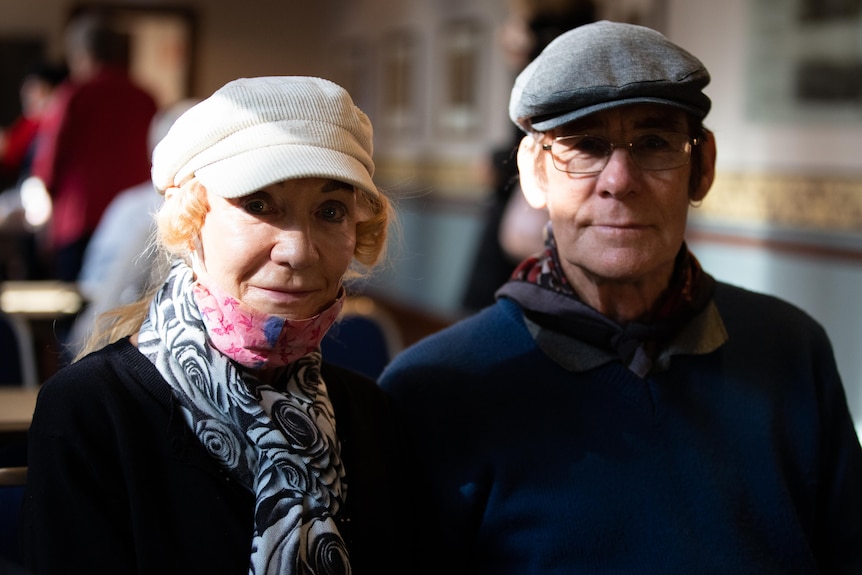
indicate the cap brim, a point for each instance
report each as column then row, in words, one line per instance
column 249, row 171
column 545, row 124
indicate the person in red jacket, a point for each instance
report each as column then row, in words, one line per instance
column 17, row 139
column 92, row 142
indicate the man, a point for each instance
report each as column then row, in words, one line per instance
column 92, row 143
column 617, row 410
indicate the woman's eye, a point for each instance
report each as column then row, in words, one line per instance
column 333, row 212
column 256, row 206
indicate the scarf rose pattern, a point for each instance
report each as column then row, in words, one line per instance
column 279, row 443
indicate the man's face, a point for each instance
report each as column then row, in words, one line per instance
column 624, row 224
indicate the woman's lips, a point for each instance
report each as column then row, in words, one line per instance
column 283, row 295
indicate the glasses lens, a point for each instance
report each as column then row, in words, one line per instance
column 661, row 151
column 580, row 154
column 586, row 154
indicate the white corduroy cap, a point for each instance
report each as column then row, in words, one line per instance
column 254, row 132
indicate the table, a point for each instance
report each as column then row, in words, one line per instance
column 40, row 299
column 16, row 408
column 41, row 313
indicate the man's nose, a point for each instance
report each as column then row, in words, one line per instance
column 617, row 179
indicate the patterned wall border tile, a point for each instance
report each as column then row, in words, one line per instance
column 832, row 204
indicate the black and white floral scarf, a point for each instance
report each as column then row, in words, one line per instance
column 278, row 440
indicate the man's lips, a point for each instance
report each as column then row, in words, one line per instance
column 620, row 225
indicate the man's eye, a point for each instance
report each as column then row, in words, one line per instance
column 591, row 145
column 652, row 142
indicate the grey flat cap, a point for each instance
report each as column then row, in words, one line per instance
column 605, row 65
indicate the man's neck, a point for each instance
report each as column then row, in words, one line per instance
column 621, row 300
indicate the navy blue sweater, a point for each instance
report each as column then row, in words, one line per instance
column 743, row 460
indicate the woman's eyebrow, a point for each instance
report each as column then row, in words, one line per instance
column 336, row 185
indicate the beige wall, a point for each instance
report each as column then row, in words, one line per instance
column 721, row 34
column 234, row 37
column 237, row 38
column 262, row 37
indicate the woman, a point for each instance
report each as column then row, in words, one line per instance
column 202, row 433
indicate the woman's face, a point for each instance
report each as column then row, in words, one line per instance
column 283, row 249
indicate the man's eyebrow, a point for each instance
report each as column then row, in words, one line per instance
column 671, row 124
column 578, row 127
column 667, row 123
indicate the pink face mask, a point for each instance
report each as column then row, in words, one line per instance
column 256, row 339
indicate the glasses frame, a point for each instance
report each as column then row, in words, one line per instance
column 692, row 142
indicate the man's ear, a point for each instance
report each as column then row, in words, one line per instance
column 532, row 185
column 708, row 153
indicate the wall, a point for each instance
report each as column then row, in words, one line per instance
column 255, row 37
column 262, row 37
column 720, row 33
column 824, row 285
column 784, row 215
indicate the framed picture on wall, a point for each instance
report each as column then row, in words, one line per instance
column 399, row 100
column 805, row 61
column 355, row 72
column 460, row 64
column 788, row 89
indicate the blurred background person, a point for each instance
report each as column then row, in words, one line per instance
column 512, row 229
column 16, row 140
column 119, row 265
column 92, row 142
column 17, row 145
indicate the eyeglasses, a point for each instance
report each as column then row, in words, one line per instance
column 588, row 154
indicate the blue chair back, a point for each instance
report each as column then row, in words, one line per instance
column 364, row 338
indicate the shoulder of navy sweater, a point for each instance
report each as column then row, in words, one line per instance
column 493, row 333
column 745, row 311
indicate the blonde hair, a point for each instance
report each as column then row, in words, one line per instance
column 178, row 224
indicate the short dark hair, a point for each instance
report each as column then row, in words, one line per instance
column 698, row 132
column 91, row 31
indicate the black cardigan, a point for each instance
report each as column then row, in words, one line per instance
column 118, row 484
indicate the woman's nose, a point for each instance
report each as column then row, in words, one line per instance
column 295, row 247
